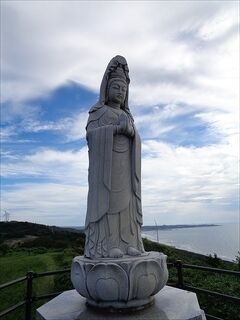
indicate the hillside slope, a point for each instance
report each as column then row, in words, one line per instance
column 26, row 234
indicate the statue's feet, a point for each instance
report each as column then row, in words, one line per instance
column 133, row 252
column 115, row 253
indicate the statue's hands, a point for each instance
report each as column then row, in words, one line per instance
column 131, row 129
column 122, row 126
column 125, row 127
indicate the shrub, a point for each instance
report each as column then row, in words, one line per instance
column 4, row 249
column 214, row 261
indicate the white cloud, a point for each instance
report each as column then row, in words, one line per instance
column 7, row 133
column 76, row 130
column 63, row 166
column 178, row 52
column 58, row 197
column 218, row 26
column 154, row 122
column 72, row 128
column 179, row 184
column 48, row 203
column 189, row 184
column 52, row 42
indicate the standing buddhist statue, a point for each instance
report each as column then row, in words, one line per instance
column 114, row 211
column 115, row 271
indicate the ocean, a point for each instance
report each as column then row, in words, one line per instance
column 223, row 239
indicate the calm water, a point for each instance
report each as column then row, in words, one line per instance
column 224, row 240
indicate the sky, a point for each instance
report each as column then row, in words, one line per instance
column 184, row 96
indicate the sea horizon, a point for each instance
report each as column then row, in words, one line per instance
column 225, row 237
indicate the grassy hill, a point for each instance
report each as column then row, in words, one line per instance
column 31, row 235
column 42, row 248
column 15, row 229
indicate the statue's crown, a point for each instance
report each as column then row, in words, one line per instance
column 118, row 73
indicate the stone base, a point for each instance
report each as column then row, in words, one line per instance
column 122, row 307
column 169, row 304
column 120, row 283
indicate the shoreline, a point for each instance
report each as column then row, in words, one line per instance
column 177, row 226
column 225, row 259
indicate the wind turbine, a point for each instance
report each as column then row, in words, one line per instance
column 157, row 230
column 6, row 215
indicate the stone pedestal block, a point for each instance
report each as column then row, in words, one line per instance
column 127, row 282
column 169, row 304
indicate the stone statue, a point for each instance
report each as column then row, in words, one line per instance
column 114, row 212
column 115, row 272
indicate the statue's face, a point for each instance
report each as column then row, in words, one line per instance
column 117, row 91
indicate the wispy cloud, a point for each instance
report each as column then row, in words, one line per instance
column 182, row 124
column 71, row 128
column 48, row 203
column 189, row 183
column 163, row 67
column 184, row 93
column 63, row 166
column 176, row 188
column 63, row 113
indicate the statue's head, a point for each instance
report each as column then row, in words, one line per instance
column 116, row 91
column 115, row 84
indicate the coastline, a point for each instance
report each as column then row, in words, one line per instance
column 208, row 240
column 185, row 251
column 177, row 226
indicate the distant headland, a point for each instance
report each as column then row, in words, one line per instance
column 177, row 226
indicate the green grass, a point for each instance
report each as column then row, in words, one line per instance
column 16, row 262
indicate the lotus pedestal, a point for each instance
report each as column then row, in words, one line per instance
column 124, row 283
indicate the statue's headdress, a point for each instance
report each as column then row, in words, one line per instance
column 116, row 69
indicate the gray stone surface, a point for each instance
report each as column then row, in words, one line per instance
column 170, row 304
column 127, row 282
column 114, row 209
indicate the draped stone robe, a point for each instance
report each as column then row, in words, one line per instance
column 114, row 212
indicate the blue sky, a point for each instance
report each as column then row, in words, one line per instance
column 184, row 70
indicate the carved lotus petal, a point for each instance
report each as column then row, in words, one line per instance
column 107, row 282
column 147, row 278
column 122, row 282
column 78, row 278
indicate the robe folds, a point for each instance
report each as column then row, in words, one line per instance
column 114, row 211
